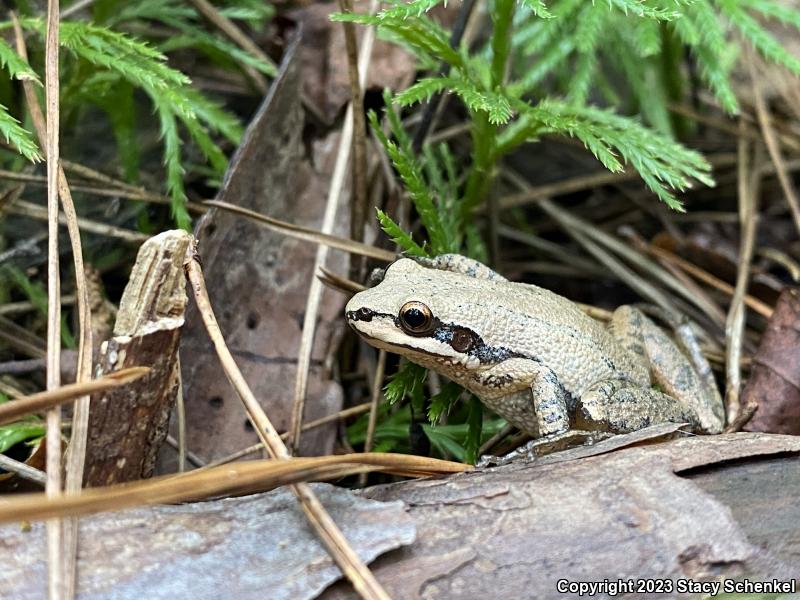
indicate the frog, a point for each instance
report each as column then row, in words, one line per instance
column 536, row 358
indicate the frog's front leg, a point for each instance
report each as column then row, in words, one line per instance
column 692, row 385
column 540, row 409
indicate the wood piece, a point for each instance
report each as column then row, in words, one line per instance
column 688, row 508
column 253, row 547
column 514, row 531
column 127, row 426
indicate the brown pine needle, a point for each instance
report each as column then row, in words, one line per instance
column 338, row 282
column 10, row 411
column 307, row 234
column 245, row 477
column 326, row 529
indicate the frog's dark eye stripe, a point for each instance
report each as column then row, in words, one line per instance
column 416, row 318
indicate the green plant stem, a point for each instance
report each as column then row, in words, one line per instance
column 671, row 74
column 484, row 132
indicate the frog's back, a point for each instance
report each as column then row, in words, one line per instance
column 552, row 330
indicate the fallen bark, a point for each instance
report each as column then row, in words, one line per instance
column 697, row 508
column 685, row 509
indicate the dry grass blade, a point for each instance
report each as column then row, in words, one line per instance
column 587, row 235
column 10, row 411
column 377, row 386
column 773, row 147
column 307, row 234
column 342, row 414
column 338, row 282
column 22, row 470
column 315, row 289
column 76, row 451
column 56, row 582
column 734, row 326
column 28, row 209
column 246, row 477
column 706, row 277
column 331, row 536
column 358, row 201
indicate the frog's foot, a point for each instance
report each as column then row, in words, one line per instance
column 546, row 445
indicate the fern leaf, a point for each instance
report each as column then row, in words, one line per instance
column 643, row 8
column 398, row 236
column 663, row 164
column 16, row 66
column 421, row 90
column 172, row 162
column 213, row 115
column 18, row 136
column 537, row 7
column 763, row 41
column 441, row 403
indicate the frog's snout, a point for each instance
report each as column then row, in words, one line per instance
column 361, row 314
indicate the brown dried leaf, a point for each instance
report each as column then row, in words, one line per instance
column 774, row 382
column 324, row 60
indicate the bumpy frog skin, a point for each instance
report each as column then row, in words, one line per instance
column 532, row 356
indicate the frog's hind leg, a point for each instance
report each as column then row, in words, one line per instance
column 682, row 375
column 620, row 406
column 455, row 263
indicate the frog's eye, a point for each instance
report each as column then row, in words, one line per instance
column 416, row 318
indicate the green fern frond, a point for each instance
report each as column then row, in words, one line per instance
column 173, row 163
column 408, row 381
column 214, row 116
column 581, row 82
column 415, row 184
column 663, row 164
column 405, row 10
column 544, row 65
column 16, row 66
column 494, row 104
column 763, row 41
column 441, row 403
column 18, row 136
column 398, row 236
column 649, row 9
column 646, row 35
column 537, row 7
column 422, row 35
column 421, row 90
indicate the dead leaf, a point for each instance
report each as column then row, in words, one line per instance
column 774, row 382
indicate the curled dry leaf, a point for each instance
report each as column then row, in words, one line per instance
column 774, row 383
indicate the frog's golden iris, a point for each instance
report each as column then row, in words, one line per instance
column 416, row 318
